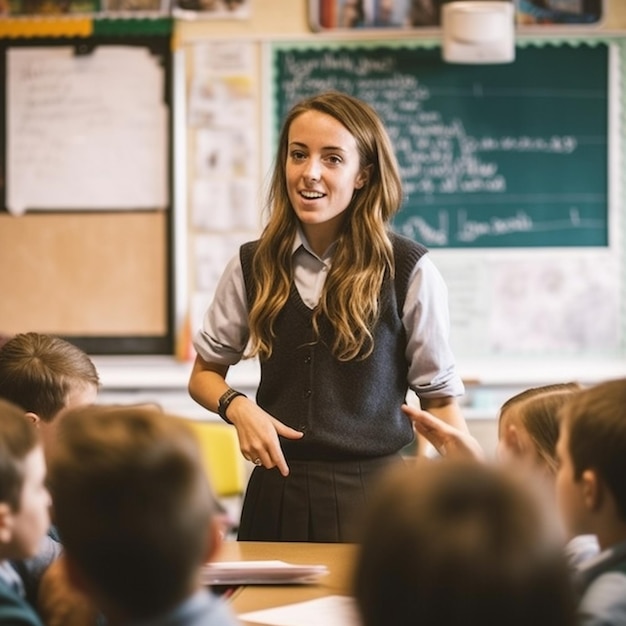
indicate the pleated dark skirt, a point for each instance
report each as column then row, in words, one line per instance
column 320, row 501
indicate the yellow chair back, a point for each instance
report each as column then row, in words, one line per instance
column 222, row 457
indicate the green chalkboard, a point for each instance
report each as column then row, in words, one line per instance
column 513, row 155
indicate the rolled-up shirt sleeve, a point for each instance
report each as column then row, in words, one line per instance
column 426, row 318
column 224, row 333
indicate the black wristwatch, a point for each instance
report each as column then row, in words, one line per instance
column 225, row 400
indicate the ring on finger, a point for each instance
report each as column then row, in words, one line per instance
column 257, row 461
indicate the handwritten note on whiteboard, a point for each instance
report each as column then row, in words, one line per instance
column 86, row 132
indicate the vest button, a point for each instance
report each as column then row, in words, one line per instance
column 307, row 360
column 307, row 394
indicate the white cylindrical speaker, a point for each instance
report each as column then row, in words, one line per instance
column 478, row 31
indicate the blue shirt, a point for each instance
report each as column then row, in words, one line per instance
column 14, row 610
column 203, row 608
column 602, row 583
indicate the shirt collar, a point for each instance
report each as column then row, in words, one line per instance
column 300, row 242
column 11, row 578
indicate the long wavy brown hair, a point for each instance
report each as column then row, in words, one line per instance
column 364, row 254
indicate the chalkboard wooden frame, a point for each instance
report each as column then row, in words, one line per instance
column 149, row 343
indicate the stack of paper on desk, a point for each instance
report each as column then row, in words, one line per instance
column 260, row 573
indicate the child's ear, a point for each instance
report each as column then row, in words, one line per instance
column 6, row 523
column 512, row 440
column 592, row 490
column 33, row 418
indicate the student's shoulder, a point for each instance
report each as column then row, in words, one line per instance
column 604, row 600
column 221, row 614
column 204, row 608
column 14, row 610
column 580, row 549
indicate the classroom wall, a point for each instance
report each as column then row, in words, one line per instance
column 273, row 21
column 82, row 241
column 276, row 20
column 270, row 20
column 488, row 386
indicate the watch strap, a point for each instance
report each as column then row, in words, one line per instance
column 224, row 402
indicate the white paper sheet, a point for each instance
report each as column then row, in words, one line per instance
column 329, row 611
column 86, row 132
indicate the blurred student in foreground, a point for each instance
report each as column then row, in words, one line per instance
column 460, row 544
column 591, row 494
column 137, row 516
column 24, row 503
column 44, row 375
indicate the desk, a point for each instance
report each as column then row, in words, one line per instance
column 338, row 557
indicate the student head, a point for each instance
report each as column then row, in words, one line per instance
column 46, row 375
column 528, row 426
column 24, row 499
column 456, row 544
column 591, row 450
column 133, row 507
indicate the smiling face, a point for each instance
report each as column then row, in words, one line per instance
column 323, row 170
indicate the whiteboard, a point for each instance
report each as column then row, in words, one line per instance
column 86, row 131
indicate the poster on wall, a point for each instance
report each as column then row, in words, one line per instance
column 77, row 149
column 211, row 9
column 403, row 14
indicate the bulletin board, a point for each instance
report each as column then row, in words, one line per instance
column 512, row 177
column 86, row 231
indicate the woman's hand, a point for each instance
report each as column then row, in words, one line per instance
column 258, row 434
column 447, row 440
column 257, row 430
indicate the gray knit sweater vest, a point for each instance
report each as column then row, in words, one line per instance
column 346, row 409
